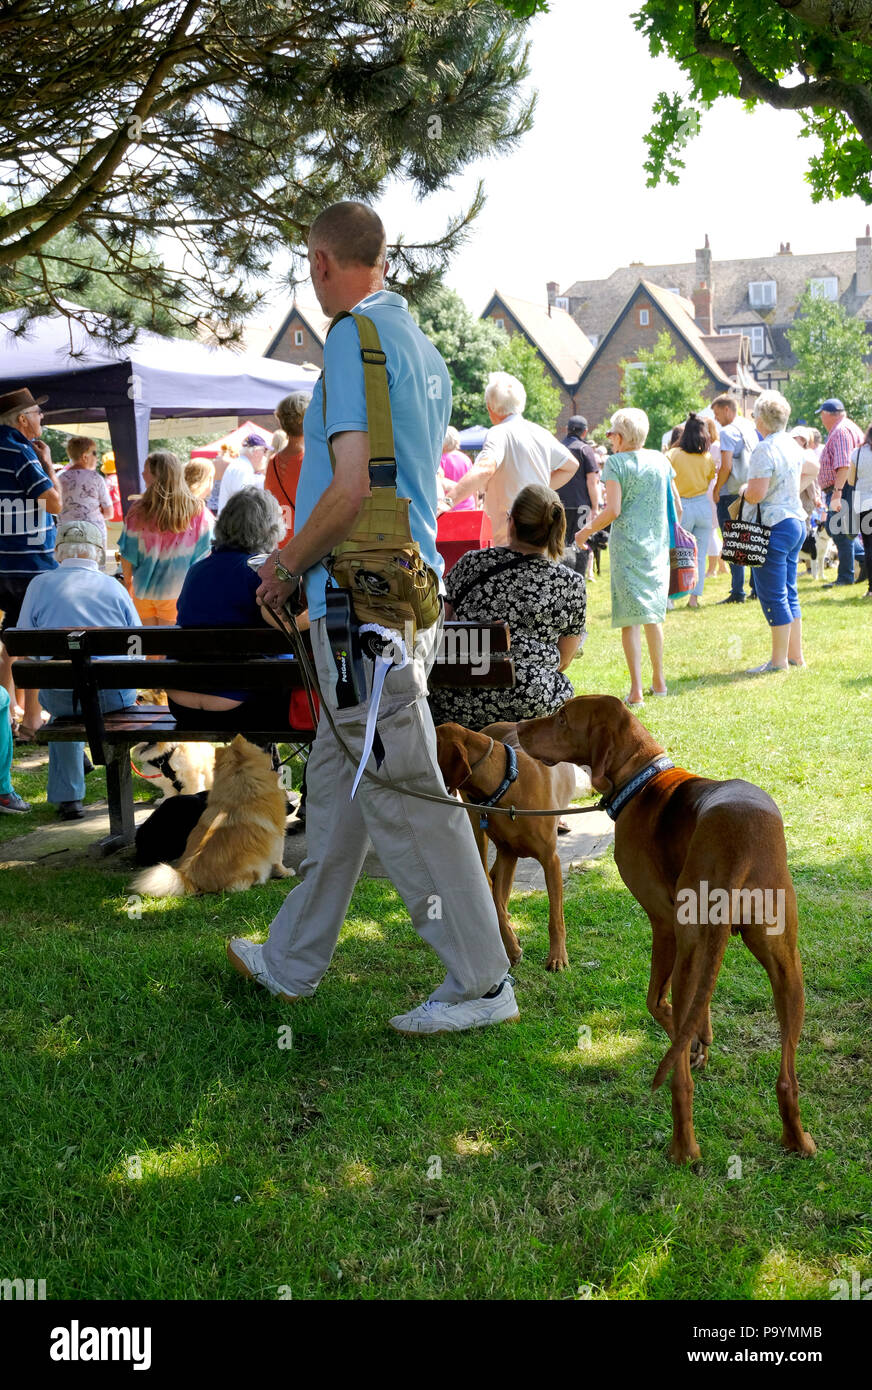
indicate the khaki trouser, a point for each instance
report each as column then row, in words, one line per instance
column 428, row 851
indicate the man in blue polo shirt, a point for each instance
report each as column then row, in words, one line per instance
column 428, row 851
column 29, row 501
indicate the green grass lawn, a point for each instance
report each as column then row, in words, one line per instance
column 311, row 1170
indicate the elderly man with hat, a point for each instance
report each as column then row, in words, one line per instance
column 76, row 594
column 580, row 495
column 249, row 470
column 843, row 437
column 30, row 498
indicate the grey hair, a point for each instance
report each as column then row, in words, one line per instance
column 11, row 417
column 632, row 425
column 250, row 520
column 78, row 550
column 504, row 394
column 773, row 410
column 451, row 440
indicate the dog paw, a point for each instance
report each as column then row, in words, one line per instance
column 684, row 1152
column 557, row 960
column 803, row 1144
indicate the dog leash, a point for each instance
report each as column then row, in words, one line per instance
column 288, row 624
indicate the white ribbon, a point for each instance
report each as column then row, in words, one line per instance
column 381, row 665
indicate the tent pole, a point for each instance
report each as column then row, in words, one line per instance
column 128, row 430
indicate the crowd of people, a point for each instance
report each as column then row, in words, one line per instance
column 219, row 543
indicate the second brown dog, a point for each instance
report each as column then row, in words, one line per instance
column 474, row 764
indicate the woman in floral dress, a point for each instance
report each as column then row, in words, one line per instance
column 636, row 481
column 542, row 601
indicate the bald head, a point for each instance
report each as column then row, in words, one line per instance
column 352, row 233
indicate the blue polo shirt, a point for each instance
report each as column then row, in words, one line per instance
column 420, row 390
column 27, row 532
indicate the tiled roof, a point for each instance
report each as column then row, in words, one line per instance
column 556, row 334
column 595, row 303
column 676, row 308
column 316, row 321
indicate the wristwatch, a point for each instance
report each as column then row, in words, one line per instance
column 284, row 575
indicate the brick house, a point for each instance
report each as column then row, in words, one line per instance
column 300, row 337
column 648, row 311
column 756, row 297
column 562, row 346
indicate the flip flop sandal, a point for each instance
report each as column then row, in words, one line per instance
column 764, row 669
column 658, row 694
column 633, row 704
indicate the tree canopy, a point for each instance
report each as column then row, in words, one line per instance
column 829, row 346
column 222, row 127
column 809, row 56
column 469, row 346
column 664, row 387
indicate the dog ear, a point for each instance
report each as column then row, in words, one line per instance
column 452, row 757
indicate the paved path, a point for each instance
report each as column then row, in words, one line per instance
column 66, row 842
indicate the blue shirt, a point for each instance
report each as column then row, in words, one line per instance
column 420, row 389
column 27, row 531
column 219, row 591
column 739, row 439
column 76, row 595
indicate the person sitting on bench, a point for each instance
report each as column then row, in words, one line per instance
column 219, row 591
column 76, row 594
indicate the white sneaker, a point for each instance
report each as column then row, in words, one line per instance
column 246, row 957
column 436, row 1017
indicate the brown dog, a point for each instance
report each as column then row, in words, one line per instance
column 475, row 764
column 702, row 857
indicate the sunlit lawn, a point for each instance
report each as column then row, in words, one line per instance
column 129, row 1047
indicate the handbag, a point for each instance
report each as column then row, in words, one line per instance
column 745, row 542
column 379, row 563
column 683, row 569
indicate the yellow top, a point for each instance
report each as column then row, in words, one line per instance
column 693, row 472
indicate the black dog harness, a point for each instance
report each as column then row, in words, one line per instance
column 613, row 805
column 510, row 777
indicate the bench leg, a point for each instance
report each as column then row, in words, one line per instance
column 119, row 788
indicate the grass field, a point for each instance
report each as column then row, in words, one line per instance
column 312, row 1170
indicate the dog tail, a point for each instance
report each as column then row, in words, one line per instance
column 161, row 881
column 704, row 967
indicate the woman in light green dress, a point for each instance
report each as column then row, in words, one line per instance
column 636, row 481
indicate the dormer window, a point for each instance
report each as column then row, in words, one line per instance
column 824, row 287
column 762, row 294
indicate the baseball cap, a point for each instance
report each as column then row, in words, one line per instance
column 253, row 441
column 81, row 533
column 833, row 406
column 576, row 424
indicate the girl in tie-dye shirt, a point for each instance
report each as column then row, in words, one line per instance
column 165, row 531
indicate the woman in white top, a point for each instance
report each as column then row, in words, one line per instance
column 776, row 479
column 861, row 460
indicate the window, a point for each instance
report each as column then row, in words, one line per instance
column 562, row 302
column 762, row 294
column 824, row 287
column 722, row 331
column 500, row 323
column 758, row 341
column 644, row 318
column 298, row 337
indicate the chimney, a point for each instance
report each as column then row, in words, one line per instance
column 552, row 287
column 704, row 265
column 703, row 309
column 864, row 264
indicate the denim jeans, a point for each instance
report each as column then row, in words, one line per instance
column 66, row 776
column 696, row 517
column 776, row 577
column 839, row 528
column 737, row 584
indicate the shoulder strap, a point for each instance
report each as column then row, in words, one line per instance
column 382, row 460
column 471, row 584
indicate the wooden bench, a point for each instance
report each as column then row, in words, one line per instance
column 470, row 655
